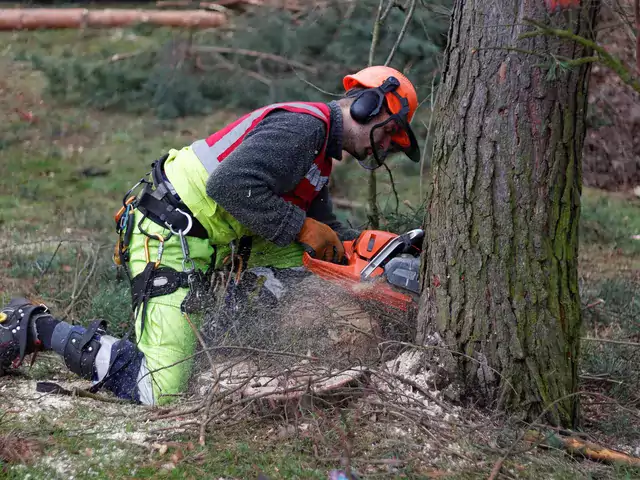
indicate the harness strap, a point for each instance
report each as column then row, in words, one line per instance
column 160, row 281
column 26, row 313
column 160, row 204
column 163, row 213
column 81, row 350
column 244, row 249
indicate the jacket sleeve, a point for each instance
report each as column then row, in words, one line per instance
column 269, row 162
column 321, row 209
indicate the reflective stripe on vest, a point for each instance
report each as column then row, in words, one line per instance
column 209, row 155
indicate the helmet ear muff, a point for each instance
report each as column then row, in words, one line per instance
column 368, row 102
column 365, row 106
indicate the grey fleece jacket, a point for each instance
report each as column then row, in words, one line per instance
column 270, row 161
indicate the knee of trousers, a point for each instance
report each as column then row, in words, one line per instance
column 118, row 364
column 168, row 343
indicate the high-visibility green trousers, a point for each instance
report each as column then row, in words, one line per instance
column 168, row 341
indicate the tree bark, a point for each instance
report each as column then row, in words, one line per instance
column 499, row 270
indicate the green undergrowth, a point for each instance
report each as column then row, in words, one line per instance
column 610, row 220
column 298, row 55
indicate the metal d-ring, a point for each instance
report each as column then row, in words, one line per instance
column 186, row 230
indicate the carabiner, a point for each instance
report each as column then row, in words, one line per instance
column 186, row 230
column 147, row 257
column 185, row 254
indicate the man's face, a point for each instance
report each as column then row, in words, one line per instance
column 362, row 147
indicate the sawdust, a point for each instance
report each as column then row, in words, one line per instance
column 28, row 403
column 411, row 365
column 116, row 427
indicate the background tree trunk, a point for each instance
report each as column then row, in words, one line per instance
column 500, row 282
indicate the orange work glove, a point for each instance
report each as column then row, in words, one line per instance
column 320, row 241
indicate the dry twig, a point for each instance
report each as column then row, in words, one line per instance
column 616, row 342
column 74, row 295
column 254, row 53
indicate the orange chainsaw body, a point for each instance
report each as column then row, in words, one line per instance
column 358, row 253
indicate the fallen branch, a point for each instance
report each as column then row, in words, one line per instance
column 344, row 203
column 53, row 388
column 74, row 295
column 587, row 449
column 254, row 53
column 227, row 65
column 601, row 379
column 35, row 18
column 616, row 342
column 594, row 304
column 495, row 471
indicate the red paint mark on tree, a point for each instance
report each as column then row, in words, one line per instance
column 559, row 5
column 436, row 281
column 502, row 72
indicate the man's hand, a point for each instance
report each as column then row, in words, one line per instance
column 320, row 241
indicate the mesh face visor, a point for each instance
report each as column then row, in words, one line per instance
column 402, row 138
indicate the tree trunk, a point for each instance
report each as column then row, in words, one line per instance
column 499, row 279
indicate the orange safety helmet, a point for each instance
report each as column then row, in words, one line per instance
column 372, row 77
column 400, row 97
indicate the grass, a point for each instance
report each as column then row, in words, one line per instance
column 85, row 453
column 611, row 220
column 63, row 174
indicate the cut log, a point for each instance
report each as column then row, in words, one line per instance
column 52, row 18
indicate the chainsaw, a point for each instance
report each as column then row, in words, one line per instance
column 379, row 266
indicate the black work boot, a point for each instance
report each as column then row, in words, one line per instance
column 18, row 333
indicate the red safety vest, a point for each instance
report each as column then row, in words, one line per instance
column 214, row 149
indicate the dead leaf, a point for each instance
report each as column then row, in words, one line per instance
column 177, row 456
column 18, row 450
